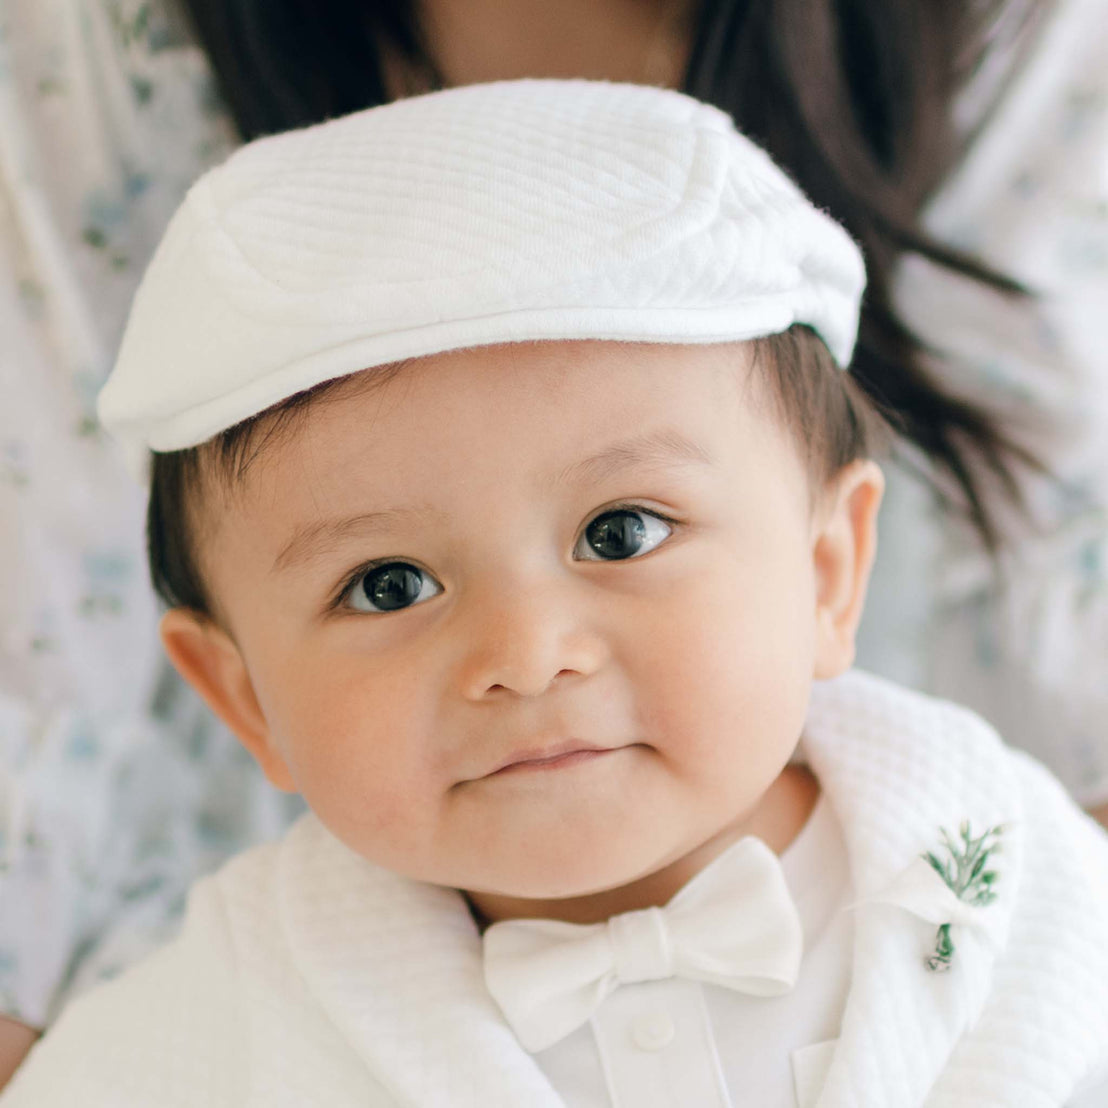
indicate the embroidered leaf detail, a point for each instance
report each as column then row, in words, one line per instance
column 944, row 951
column 964, row 873
column 939, row 867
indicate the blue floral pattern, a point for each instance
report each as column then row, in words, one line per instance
column 116, row 788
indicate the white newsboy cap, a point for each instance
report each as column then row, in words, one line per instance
column 521, row 210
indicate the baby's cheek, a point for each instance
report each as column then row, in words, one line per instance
column 729, row 672
column 361, row 762
column 373, row 811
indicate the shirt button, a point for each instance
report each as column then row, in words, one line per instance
column 652, row 1031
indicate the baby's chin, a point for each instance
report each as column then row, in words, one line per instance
column 549, row 867
column 574, row 887
column 595, row 881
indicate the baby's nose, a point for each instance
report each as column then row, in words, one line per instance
column 525, row 638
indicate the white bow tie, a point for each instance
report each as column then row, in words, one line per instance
column 734, row 924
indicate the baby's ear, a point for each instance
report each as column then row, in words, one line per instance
column 211, row 662
column 845, row 542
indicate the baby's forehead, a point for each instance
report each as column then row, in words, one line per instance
column 519, row 392
column 553, row 374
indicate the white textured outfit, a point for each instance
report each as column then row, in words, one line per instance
column 306, row 976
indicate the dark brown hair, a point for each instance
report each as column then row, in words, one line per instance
column 830, row 418
column 852, row 97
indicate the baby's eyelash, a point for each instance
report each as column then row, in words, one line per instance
column 602, row 539
column 352, row 579
column 631, row 506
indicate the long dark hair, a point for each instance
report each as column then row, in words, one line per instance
column 853, row 97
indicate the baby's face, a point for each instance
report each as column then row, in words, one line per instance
column 533, row 620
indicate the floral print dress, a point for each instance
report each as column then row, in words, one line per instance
column 116, row 788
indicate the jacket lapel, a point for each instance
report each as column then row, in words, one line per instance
column 396, row 965
column 898, row 768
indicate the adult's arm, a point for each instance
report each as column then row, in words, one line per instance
column 16, row 1039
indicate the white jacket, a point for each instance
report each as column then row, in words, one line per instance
column 306, row 976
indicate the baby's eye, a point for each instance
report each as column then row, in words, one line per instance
column 390, row 587
column 621, row 533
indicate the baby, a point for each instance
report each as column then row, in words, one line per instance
column 512, row 506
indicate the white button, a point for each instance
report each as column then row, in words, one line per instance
column 652, row 1031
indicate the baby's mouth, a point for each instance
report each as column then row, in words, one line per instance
column 553, row 756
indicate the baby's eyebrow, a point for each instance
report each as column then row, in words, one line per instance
column 663, row 447
column 310, row 540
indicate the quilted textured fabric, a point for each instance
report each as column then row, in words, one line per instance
column 306, row 976
column 523, row 210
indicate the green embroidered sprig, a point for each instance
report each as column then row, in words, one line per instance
column 965, row 875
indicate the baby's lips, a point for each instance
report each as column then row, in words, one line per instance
column 547, row 754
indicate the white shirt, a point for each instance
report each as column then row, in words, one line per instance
column 670, row 1043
